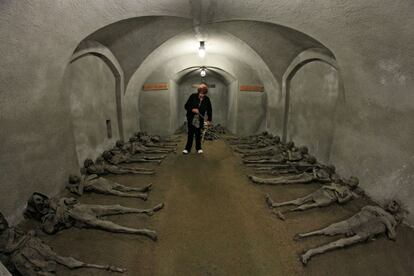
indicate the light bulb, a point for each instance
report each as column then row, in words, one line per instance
column 203, row 73
column 202, row 50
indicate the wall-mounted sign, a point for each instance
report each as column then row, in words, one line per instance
column 210, row 85
column 155, row 86
column 253, row 88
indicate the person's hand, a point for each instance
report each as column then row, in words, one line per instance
column 208, row 124
column 195, row 110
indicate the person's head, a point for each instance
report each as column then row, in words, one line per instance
column 353, row 182
column 202, row 90
column 330, row 169
column 87, row 163
column 107, row 155
column 4, row 225
column 311, row 159
column 39, row 200
column 119, row 144
column 393, row 206
column 74, row 179
column 37, row 206
column 276, row 139
column 303, row 150
column 290, row 145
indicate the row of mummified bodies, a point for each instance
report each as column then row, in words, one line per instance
column 110, row 162
column 289, row 164
column 25, row 254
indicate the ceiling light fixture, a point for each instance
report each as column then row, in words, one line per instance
column 202, row 50
column 203, row 72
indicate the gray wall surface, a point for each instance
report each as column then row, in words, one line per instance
column 174, row 105
column 90, row 85
column 373, row 137
column 314, row 93
column 155, row 111
column 233, row 92
column 157, row 108
column 130, row 114
column 251, row 112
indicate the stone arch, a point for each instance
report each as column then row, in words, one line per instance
column 305, row 57
column 99, row 50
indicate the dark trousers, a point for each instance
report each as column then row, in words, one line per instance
column 192, row 130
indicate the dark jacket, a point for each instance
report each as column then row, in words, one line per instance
column 205, row 107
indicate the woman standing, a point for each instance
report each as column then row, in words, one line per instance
column 197, row 105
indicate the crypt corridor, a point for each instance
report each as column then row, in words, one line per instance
column 335, row 76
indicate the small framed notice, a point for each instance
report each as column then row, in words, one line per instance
column 155, row 86
column 252, row 88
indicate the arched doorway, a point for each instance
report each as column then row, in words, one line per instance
column 312, row 87
column 94, row 87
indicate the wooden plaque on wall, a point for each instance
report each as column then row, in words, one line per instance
column 155, row 86
column 252, row 88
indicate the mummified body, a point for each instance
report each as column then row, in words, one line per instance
column 363, row 226
column 135, row 147
column 306, row 165
column 322, row 175
column 267, row 151
column 119, row 158
column 259, row 143
column 324, row 196
column 248, row 139
column 27, row 255
column 94, row 183
column 102, row 168
column 56, row 215
column 278, row 156
column 168, row 140
column 154, row 141
column 121, row 154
